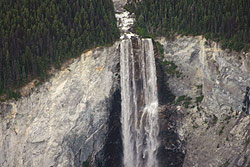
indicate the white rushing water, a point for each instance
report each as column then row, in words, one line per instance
column 139, row 104
column 139, row 95
column 125, row 21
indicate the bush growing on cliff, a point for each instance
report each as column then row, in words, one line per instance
column 85, row 164
column 199, row 99
column 184, row 100
column 180, row 99
column 214, row 120
column 221, row 130
column 171, row 69
column 247, row 141
column 160, row 48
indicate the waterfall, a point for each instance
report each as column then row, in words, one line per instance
column 139, row 115
column 139, row 103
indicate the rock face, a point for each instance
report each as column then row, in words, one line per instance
column 212, row 125
column 171, row 151
column 65, row 121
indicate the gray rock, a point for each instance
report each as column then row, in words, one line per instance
column 64, row 121
column 216, row 132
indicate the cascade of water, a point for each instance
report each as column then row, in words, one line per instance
column 139, row 94
column 139, row 104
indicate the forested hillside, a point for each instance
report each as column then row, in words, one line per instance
column 37, row 34
column 227, row 21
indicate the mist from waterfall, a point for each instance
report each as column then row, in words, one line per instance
column 139, row 103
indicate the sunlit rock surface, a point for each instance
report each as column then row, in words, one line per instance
column 64, row 122
column 216, row 131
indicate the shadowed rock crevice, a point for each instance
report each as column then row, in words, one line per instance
column 171, row 152
column 246, row 102
column 111, row 155
column 172, row 149
column 164, row 93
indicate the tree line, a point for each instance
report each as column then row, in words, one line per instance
column 35, row 35
column 225, row 21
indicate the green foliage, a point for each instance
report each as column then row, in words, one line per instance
column 247, row 141
column 227, row 21
column 199, row 86
column 228, row 117
column 199, row 99
column 171, row 69
column 35, row 35
column 180, row 99
column 130, row 7
column 221, row 130
column 85, row 164
column 188, row 98
column 160, row 48
column 13, row 94
column 214, row 120
column 184, row 100
column 167, row 84
column 143, row 32
column 226, row 164
column 186, row 104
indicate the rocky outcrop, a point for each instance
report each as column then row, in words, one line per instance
column 210, row 91
column 171, row 151
column 111, row 155
column 65, row 121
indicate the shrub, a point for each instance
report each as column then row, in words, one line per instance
column 214, row 120
column 199, row 99
column 221, row 130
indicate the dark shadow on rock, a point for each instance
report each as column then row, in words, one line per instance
column 171, row 152
column 165, row 95
column 246, row 102
column 112, row 153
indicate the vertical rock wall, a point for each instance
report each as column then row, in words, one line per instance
column 213, row 126
column 64, row 122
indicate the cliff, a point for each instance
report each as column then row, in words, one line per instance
column 210, row 88
column 65, row 121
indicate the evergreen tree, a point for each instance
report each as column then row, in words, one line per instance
column 227, row 21
column 35, row 35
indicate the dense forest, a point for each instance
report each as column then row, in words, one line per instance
column 227, row 21
column 35, row 35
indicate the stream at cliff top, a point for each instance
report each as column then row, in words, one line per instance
column 139, row 116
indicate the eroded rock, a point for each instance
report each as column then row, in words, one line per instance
column 214, row 128
column 64, row 122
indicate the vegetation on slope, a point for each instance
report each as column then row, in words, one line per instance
column 34, row 35
column 227, row 21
